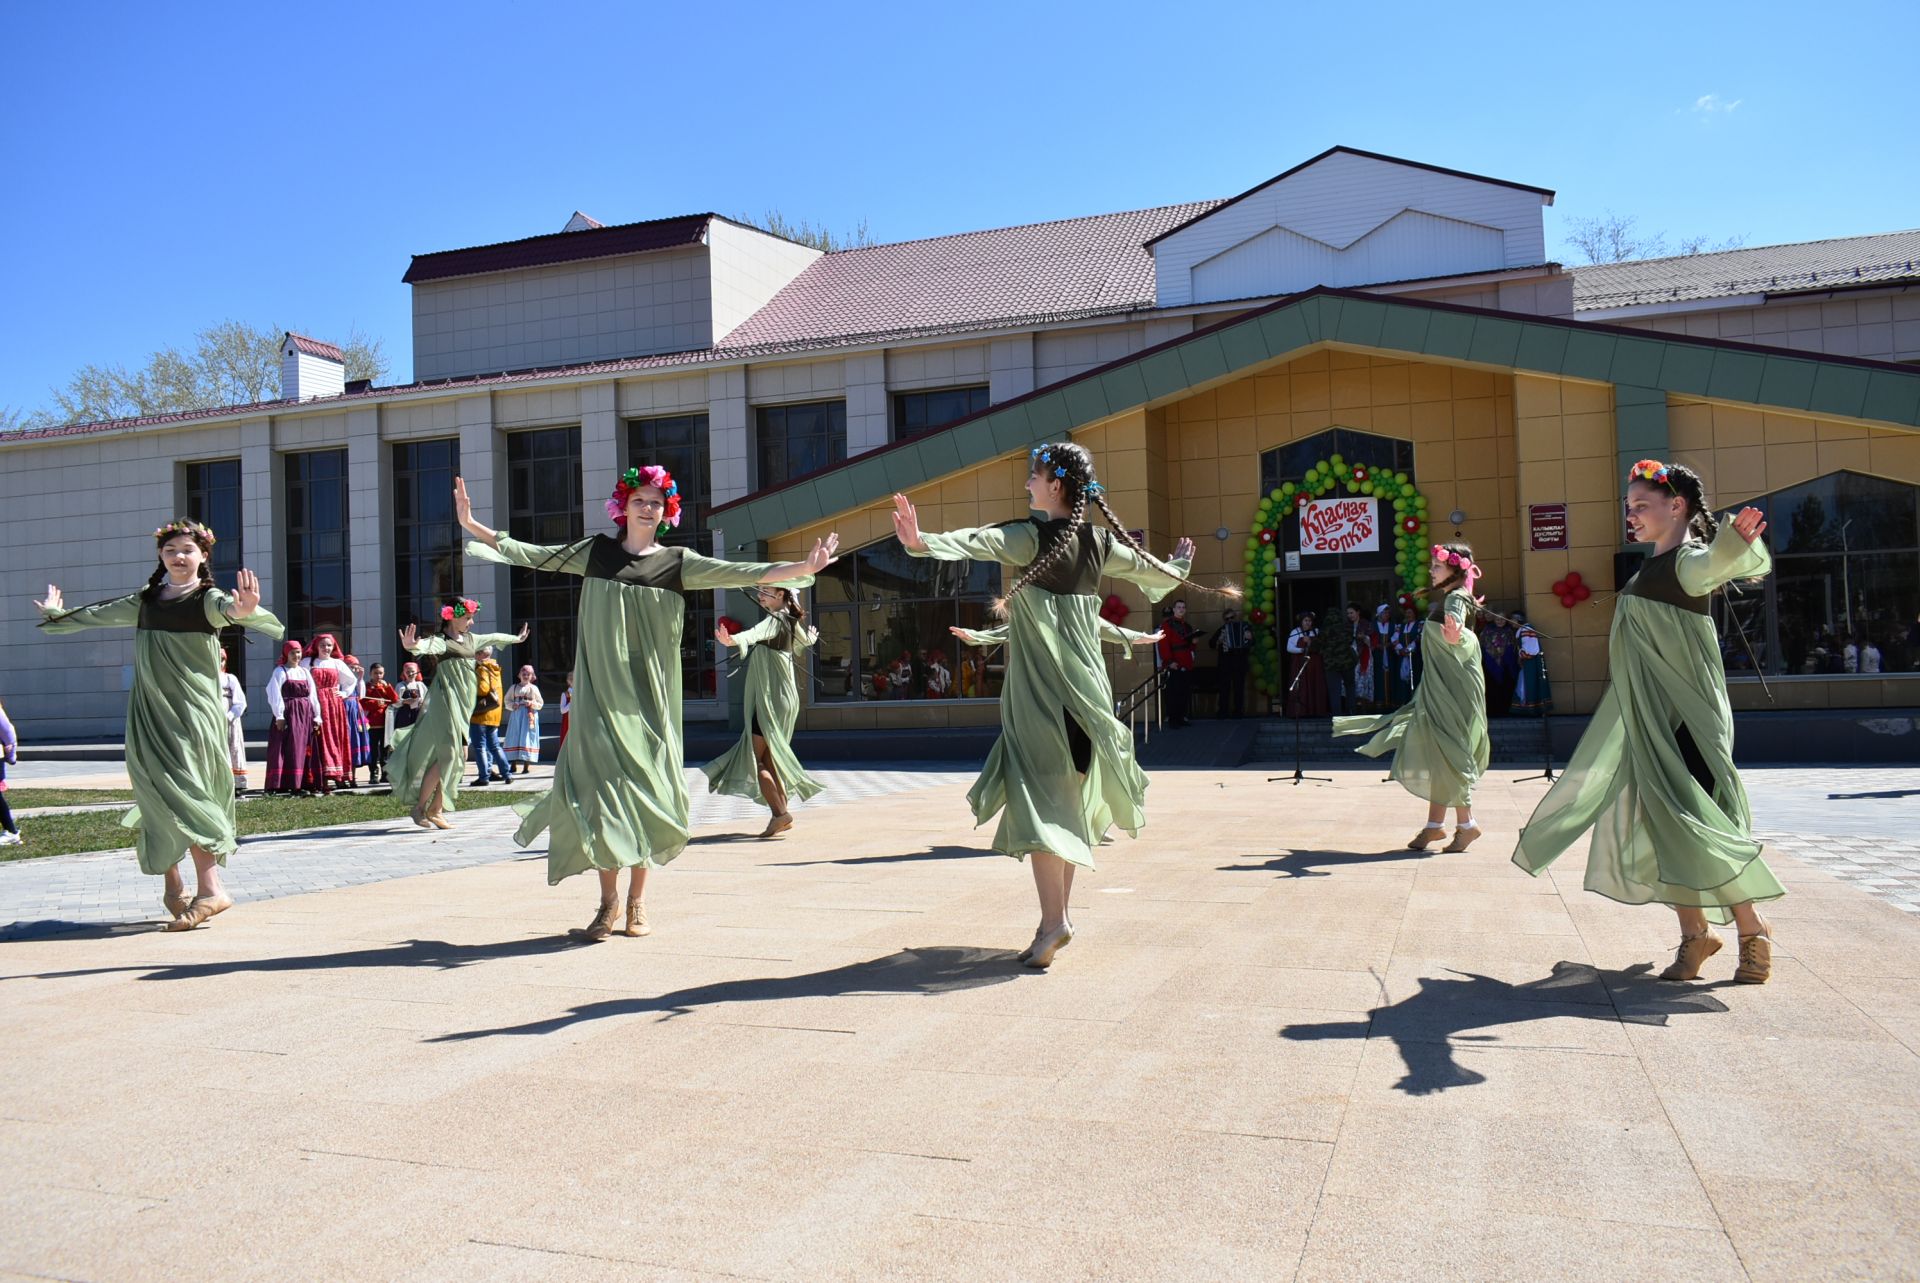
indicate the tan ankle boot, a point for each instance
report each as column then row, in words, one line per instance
column 637, row 919
column 1756, row 957
column 1463, row 837
column 1427, row 836
column 602, row 925
column 1691, row 956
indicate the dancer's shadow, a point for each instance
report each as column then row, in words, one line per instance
column 939, row 969
column 1425, row 1026
column 931, row 853
column 48, row 928
column 433, row 954
column 1313, row 864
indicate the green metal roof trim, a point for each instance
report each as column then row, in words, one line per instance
column 1802, row 383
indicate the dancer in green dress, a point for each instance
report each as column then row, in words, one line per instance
column 1653, row 775
column 425, row 765
column 761, row 766
column 1439, row 738
column 619, row 797
column 177, row 740
column 1063, row 765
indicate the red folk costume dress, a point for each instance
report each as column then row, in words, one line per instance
column 332, row 681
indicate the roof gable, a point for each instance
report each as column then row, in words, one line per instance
column 1345, row 218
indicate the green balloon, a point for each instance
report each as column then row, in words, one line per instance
column 1401, row 477
column 1287, row 488
column 1274, row 495
column 1338, row 461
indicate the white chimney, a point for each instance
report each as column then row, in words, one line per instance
column 310, row 368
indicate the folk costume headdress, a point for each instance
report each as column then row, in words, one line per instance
column 634, row 478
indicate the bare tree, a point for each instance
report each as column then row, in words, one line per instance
column 1616, row 238
column 232, row 363
column 806, row 233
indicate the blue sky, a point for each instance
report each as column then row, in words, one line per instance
column 168, row 168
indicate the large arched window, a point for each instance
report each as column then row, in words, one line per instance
column 1844, row 596
column 884, row 619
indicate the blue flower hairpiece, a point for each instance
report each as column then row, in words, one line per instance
column 1059, row 472
column 1034, row 453
column 1094, row 487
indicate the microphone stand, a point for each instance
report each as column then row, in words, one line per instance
column 1298, row 774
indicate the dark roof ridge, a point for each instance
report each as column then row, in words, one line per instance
column 1368, row 155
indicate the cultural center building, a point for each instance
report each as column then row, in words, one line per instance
column 1389, row 332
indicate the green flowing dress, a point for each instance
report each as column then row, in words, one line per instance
column 440, row 736
column 1056, row 704
column 619, row 794
column 177, row 745
column 772, row 706
column 1653, row 775
column 1439, row 738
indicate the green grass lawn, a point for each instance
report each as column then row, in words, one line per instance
column 25, row 799
column 101, row 831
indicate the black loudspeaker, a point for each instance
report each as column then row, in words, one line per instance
column 1625, row 564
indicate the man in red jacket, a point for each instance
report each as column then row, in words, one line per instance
column 1176, row 656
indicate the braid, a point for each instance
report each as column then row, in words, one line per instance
column 1057, row 550
column 1230, row 591
column 1686, row 484
column 206, row 575
column 154, row 579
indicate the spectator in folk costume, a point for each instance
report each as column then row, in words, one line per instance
column 566, row 710
column 235, row 698
column 1363, row 665
column 413, row 701
column 359, row 738
column 1234, row 640
column 292, row 762
column 1176, row 656
column 524, row 702
column 333, row 681
column 377, row 701
column 1531, row 691
column 1500, row 653
column 1306, row 683
column 1386, row 666
column 1336, row 646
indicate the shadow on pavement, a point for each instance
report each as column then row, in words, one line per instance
column 931, row 853
column 1311, row 864
column 940, row 969
column 48, row 928
column 1426, row 1026
column 436, row 954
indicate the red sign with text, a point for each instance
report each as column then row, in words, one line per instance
column 1547, row 525
column 1339, row 525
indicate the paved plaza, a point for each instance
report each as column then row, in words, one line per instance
column 1280, row 1047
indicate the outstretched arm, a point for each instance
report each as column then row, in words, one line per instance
column 123, row 612
column 1736, row 553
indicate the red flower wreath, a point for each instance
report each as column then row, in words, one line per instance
column 1410, row 524
column 1359, row 473
column 1266, row 536
column 1259, row 616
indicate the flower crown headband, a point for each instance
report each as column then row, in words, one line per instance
column 631, row 480
column 1460, row 561
column 1059, row 470
column 462, row 609
column 1650, row 470
column 183, row 526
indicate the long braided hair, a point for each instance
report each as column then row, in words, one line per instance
column 1072, row 466
column 1686, row 483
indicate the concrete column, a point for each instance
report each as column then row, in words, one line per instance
column 602, row 452
column 1010, row 368
column 867, row 429
column 483, row 464
column 369, row 534
column 729, row 434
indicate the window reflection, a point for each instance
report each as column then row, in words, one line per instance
column 884, row 621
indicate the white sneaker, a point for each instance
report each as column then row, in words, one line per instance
column 11, row 839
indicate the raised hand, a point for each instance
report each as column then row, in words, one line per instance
column 1451, row 631
column 724, row 637
column 823, row 552
column 54, row 601
column 1183, row 548
column 409, row 637
column 462, row 505
column 906, row 524
column 1749, row 524
column 246, row 594
column 524, row 630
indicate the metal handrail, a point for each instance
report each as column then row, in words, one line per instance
column 1144, row 702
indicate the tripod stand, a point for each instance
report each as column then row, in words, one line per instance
column 1298, row 774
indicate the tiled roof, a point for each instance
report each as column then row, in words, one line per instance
column 1845, row 263
column 559, row 247
column 1076, row 267
column 314, row 347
